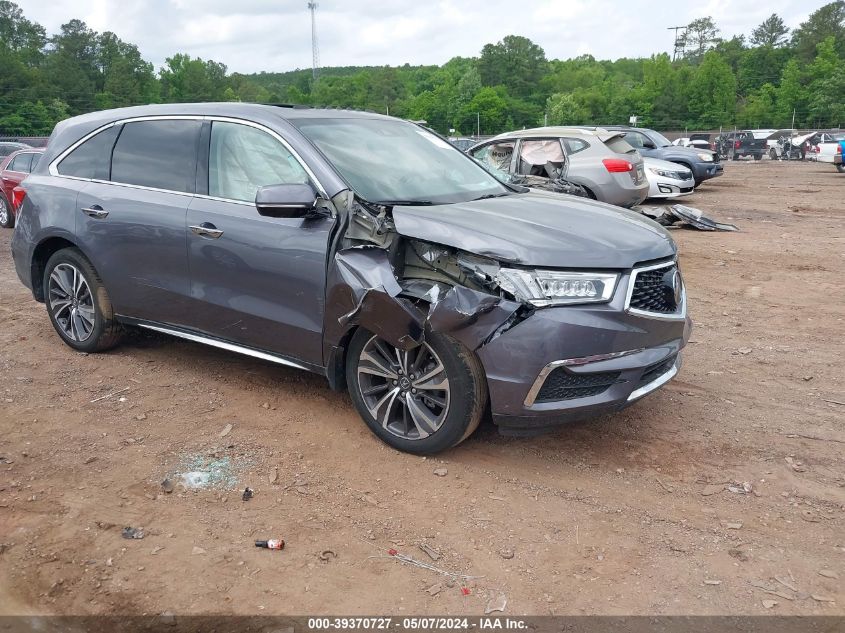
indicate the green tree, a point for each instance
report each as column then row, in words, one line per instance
column 20, row 36
column 759, row 110
column 712, row 93
column 516, row 63
column 701, row 35
column 70, row 68
column 564, row 109
column 188, row 79
column 826, row 90
column 790, row 94
column 828, row 21
column 771, row 32
column 488, row 108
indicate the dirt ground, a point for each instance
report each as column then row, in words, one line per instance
column 643, row 512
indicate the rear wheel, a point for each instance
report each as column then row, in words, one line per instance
column 423, row 400
column 758, row 156
column 773, row 154
column 78, row 304
column 7, row 218
column 840, row 169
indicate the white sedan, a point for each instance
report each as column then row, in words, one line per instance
column 667, row 180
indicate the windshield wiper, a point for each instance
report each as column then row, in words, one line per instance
column 487, row 196
column 406, row 203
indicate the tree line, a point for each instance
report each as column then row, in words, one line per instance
column 761, row 79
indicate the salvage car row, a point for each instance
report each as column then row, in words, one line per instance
column 613, row 164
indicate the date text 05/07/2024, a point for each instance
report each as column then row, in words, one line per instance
column 416, row 623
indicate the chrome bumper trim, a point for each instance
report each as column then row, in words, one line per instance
column 569, row 362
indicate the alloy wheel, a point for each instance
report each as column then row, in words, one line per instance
column 4, row 212
column 406, row 392
column 71, row 302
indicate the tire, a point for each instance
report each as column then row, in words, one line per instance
column 7, row 218
column 840, row 169
column 78, row 304
column 758, row 156
column 773, row 154
column 420, row 428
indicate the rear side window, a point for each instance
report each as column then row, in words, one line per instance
column 242, row 159
column 575, row 145
column 619, row 145
column 91, row 159
column 159, row 154
column 20, row 163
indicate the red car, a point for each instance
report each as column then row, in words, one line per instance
column 13, row 169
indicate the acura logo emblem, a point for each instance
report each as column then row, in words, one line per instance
column 673, row 286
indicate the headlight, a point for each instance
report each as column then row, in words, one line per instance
column 677, row 175
column 706, row 157
column 557, row 287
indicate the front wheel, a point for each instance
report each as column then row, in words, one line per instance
column 773, row 154
column 7, row 218
column 423, row 400
column 78, row 304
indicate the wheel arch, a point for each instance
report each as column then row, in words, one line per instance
column 40, row 255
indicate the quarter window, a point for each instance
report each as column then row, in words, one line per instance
column 243, row 159
column 91, row 159
column 158, row 154
column 575, row 145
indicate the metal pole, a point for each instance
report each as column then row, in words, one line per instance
column 478, row 123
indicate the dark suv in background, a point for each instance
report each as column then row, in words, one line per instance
column 357, row 246
column 703, row 163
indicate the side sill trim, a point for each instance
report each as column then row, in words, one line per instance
column 213, row 342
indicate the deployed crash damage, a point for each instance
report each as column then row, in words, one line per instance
column 541, row 165
column 401, row 288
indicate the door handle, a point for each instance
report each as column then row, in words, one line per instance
column 206, row 229
column 95, row 211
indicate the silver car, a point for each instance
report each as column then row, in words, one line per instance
column 603, row 163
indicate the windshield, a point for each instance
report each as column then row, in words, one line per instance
column 659, row 139
column 396, row 162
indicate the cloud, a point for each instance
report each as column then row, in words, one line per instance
column 275, row 35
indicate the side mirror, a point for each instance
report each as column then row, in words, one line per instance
column 649, row 145
column 285, row 201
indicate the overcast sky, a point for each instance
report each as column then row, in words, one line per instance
column 275, row 35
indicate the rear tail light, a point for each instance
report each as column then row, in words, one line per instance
column 18, row 194
column 736, row 144
column 617, row 165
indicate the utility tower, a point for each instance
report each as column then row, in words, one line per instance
column 680, row 41
column 315, row 48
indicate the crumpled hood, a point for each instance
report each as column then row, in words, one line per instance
column 537, row 229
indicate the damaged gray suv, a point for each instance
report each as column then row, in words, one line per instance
column 357, row 246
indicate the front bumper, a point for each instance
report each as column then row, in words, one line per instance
column 588, row 344
column 705, row 171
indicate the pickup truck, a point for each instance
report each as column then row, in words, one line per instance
column 833, row 152
column 735, row 145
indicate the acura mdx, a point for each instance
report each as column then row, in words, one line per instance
column 358, row 246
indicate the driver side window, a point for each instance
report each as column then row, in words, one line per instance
column 496, row 157
column 635, row 139
column 242, row 159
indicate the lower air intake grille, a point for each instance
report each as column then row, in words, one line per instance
column 655, row 371
column 563, row 385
